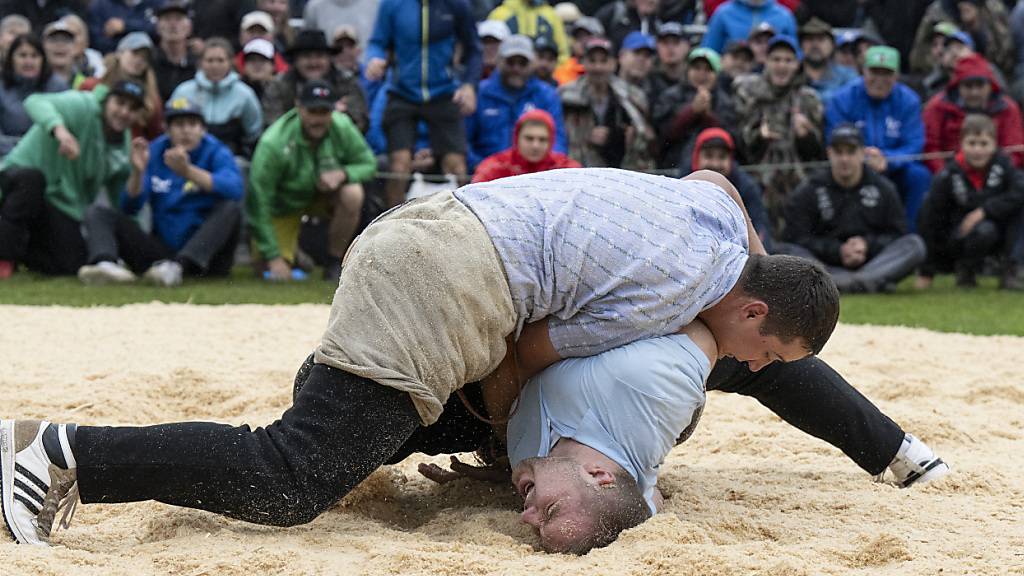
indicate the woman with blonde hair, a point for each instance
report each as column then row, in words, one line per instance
column 133, row 61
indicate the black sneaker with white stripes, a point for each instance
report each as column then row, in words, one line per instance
column 37, row 478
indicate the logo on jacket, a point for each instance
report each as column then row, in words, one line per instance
column 160, row 185
column 892, row 127
column 870, row 196
column 995, row 177
column 825, row 207
column 960, row 190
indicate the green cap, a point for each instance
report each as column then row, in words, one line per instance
column 946, row 29
column 707, row 54
column 882, row 57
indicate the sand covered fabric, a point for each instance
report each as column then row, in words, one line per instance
column 748, row 493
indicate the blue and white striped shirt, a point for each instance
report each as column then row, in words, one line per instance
column 611, row 256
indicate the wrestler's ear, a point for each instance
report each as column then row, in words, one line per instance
column 754, row 309
column 600, row 474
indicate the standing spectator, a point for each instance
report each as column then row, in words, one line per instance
column 111, row 20
column 173, row 62
column 492, row 33
column 605, row 117
column 311, row 161
column 973, row 88
column 131, row 62
column 737, row 61
column 348, row 53
column 687, row 108
column 986, row 21
column 636, row 60
column 87, row 61
column 39, row 13
column 258, row 65
column 217, row 19
column 672, row 45
column 973, row 206
column 503, row 99
column 547, row 61
column 12, row 26
column 758, row 40
column 327, row 15
column 736, row 18
column 582, row 30
column 193, row 186
column 533, row 18
column 822, row 73
column 889, row 116
column 621, row 17
column 230, row 108
column 259, row 24
column 59, row 46
column 284, row 34
column 25, row 72
column 311, row 60
column 781, row 119
column 531, row 150
column 711, row 6
column 850, row 219
column 78, row 146
column 424, row 87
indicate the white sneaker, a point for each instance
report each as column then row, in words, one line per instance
column 37, row 478
column 103, row 273
column 164, row 273
column 914, row 462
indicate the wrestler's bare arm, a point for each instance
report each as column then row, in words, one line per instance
column 715, row 178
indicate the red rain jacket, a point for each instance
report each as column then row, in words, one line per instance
column 511, row 163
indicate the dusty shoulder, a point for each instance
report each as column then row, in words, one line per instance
column 702, row 337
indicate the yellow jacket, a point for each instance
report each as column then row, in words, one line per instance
column 533, row 21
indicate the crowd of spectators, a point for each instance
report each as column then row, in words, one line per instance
column 162, row 138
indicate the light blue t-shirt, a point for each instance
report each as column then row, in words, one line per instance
column 611, row 256
column 629, row 403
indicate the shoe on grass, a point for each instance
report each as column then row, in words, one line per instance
column 165, row 273
column 104, row 273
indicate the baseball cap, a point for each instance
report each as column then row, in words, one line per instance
column 257, row 18
column 884, row 57
column 597, row 43
column 130, row 89
column 588, row 24
column 178, row 107
column 344, row 31
column 493, row 29
column 517, row 45
column 708, row 54
column 544, row 44
column 58, row 27
column 671, row 29
column 846, row 133
column 135, row 41
column 762, row 28
column 848, row 38
column 788, row 42
column 638, row 41
column 318, row 94
column 961, row 37
column 259, row 47
column 944, row 29
column 169, row 6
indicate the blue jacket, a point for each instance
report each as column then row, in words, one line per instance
column 892, row 125
column 835, row 77
column 180, row 207
column 138, row 18
column 489, row 130
column 735, row 19
column 399, row 28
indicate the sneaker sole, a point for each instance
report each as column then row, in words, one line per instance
column 937, row 469
column 7, row 479
column 94, row 277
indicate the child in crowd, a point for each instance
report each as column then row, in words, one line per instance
column 972, row 209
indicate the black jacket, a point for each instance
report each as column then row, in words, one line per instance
column 678, row 126
column 821, row 216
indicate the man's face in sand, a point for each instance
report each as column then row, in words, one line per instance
column 553, row 491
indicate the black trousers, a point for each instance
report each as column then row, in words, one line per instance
column 340, row 428
column 209, row 251
column 34, row 232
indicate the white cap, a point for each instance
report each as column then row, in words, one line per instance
column 258, row 18
column 260, row 47
column 517, row 45
column 568, row 12
column 493, row 29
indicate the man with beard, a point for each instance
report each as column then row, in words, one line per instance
column 818, row 45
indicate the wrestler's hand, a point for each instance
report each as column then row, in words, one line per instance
column 499, row 472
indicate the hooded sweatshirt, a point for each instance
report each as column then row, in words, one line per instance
column 734, row 20
column 14, row 120
column 944, row 114
column 230, row 107
column 511, row 163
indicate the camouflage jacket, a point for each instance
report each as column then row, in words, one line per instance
column 632, row 134
column 995, row 28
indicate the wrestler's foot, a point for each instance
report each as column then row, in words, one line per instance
column 914, row 463
column 37, row 478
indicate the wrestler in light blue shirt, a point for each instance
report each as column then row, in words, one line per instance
column 629, row 403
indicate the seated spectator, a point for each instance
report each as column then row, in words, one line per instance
column 624, row 16
column 685, row 109
column 735, row 19
column 503, row 99
column 533, row 18
column 193, row 187
column 311, row 161
column 39, row 14
column 257, row 24
column 258, row 65
column 758, row 40
column 78, row 146
column 328, row 15
column 112, row 20
column 889, row 115
column 846, row 49
column 636, row 59
column 25, row 72
column 822, row 73
column 492, row 33
column 583, row 29
column 738, row 60
column 311, row 60
column 12, row 26
column 173, row 62
column 781, row 121
column 284, row 34
column 59, row 46
column 850, row 219
column 348, row 54
column 975, row 202
column 986, row 21
column 605, row 117
column 672, row 45
column 531, row 150
column 230, row 108
column 547, row 61
column 715, row 150
column 131, row 61
column 973, row 88
column 87, row 61
column 943, row 35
